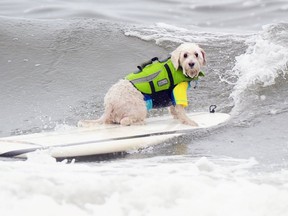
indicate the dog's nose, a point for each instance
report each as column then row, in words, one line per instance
column 191, row 64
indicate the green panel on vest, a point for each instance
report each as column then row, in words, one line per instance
column 145, row 87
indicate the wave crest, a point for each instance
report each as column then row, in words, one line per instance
column 265, row 60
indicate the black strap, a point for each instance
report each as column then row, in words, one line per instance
column 152, row 87
column 169, row 75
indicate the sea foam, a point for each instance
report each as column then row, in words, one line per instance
column 264, row 61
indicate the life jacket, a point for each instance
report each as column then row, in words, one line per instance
column 156, row 76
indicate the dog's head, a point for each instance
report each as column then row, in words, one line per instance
column 190, row 57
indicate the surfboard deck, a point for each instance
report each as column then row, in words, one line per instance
column 105, row 139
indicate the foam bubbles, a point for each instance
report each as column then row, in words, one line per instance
column 263, row 62
column 165, row 34
column 205, row 165
column 40, row 157
column 152, row 186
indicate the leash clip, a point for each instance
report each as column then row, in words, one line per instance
column 196, row 84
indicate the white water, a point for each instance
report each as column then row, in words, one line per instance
column 263, row 62
column 169, row 185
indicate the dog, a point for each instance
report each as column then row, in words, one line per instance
column 127, row 102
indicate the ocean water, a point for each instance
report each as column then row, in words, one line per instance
column 58, row 58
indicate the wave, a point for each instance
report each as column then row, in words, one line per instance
column 165, row 34
column 265, row 60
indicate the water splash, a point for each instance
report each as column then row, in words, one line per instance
column 264, row 61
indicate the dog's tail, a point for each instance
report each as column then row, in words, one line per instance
column 106, row 118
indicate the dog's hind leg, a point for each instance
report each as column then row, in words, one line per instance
column 127, row 121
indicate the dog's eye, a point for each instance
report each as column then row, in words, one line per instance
column 196, row 54
column 185, row 55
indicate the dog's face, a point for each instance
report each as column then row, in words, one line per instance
column 190, row 57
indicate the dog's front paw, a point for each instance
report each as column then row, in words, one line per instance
column 190, row 122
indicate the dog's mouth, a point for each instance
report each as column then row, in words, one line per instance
column 191, row 73
column 191, row 70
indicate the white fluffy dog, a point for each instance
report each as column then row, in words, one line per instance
column 125, row 104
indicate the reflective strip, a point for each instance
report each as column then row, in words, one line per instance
column 146, row 79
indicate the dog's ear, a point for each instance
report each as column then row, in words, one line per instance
column 175, row 58
column 203, row 56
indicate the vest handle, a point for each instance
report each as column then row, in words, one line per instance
column 144, row 64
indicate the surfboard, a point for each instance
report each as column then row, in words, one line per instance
column 105, row 139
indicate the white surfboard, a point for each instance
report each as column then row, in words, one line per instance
column 105, row 139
